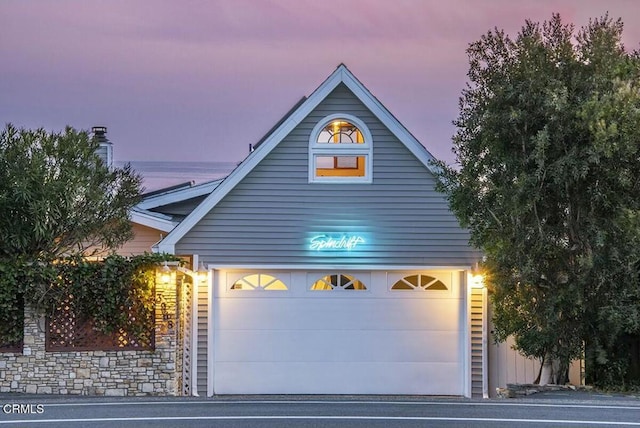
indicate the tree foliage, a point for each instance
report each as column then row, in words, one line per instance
column 548, row 184
column 114, row 293
column 59, row 202
column 57, row 197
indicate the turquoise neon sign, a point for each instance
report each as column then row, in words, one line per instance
column 335, row 243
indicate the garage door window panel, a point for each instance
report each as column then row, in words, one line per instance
column 259, row 281
column 338, row 281
column 419, row 282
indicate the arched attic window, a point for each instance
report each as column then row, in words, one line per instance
column 340, row 151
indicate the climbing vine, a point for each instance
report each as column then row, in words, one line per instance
column 114, row 293
column 11, row 304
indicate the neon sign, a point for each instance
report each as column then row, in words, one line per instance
column 331, row 243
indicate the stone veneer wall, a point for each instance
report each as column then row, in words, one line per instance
column 110, row 373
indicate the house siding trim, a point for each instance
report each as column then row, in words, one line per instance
column 210, row 327
column 194, row 332
column 477, row 341
column 153, row 220
column 354, row 267
column 178, row 195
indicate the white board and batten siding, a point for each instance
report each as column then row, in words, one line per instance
column 508, row 366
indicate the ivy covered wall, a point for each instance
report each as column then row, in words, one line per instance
column 111, row 373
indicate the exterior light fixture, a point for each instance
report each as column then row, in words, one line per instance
column 477, row 281
column 203, row 274
column 477, row 278
column 166, row 274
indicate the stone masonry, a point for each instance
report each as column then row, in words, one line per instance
column 109, row 373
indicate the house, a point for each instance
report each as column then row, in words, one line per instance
column 325, row 263
column 333, row 264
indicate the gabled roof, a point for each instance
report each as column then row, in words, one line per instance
column 179, row 193
column 280, row 122
column 154, row 220
column 185, row 185
column 340, row 75
column 141, row 214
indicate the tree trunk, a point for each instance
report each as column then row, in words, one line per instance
column 555, row 371
column 537, row 380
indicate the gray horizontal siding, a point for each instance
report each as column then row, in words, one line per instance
column 203, row 314
column 269, row 217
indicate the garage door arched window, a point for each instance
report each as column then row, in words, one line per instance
column 419, row 282
column 340, row 150
column 339, row 281
column 259, row 281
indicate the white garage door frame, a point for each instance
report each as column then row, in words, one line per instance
column 463, row 284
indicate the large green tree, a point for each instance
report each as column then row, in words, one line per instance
column 58, row 198
column 548, row 183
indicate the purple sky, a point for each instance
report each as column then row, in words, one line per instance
column 200, row 80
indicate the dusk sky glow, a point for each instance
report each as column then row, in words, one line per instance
column 201, row 80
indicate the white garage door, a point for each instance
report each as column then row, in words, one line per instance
column 338, row 332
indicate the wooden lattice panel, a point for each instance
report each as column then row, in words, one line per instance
column 66, row 332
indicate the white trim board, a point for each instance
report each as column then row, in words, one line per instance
column 340, row 75
column 338, row 267
column 153, row 220
column 178, row 195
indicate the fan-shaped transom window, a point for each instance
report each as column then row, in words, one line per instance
column 339, row 281
column 419, row 282
column 340, row 150
column 340, row 132
column 259, row 281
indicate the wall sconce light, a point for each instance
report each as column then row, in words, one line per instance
column 477, row 281
column 166, row 274
column 477, row 277
column 203, row 273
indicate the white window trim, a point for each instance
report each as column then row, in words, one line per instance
column 365, row 149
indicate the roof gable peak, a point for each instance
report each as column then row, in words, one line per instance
column 340, row 75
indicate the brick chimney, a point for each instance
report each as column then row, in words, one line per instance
column 105, row 149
